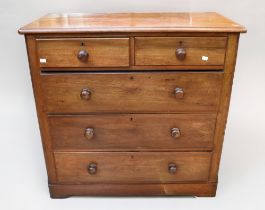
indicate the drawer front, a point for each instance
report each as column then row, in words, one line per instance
column 180, row 50
column 135, row 167
column 132, row 131
column 87, row 52
column 131, row 92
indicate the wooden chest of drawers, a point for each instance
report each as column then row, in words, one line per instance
column 132, row 103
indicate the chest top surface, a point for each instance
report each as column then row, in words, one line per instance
column 132, row 22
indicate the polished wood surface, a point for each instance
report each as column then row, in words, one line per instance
column 230, row 63
column 132, row 132
column 179, row 50
column 92, row 52
column 132, row 22
column 131, row 92
column 183, row 189
column 43, row 123
column 132, row 103
column 132, row 167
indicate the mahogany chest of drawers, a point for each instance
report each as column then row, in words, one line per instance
column 132, row 103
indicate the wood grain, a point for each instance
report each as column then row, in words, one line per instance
column 132, row 167
column 131, row 92
column 162, row 50
column 102, row 52
column 132, row 132
column 43, row 124
column 132, row 22
column 125, row 104
column 159, row 68
column 143, row 189
column 230, row 63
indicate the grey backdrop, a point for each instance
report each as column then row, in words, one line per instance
column 23, row 181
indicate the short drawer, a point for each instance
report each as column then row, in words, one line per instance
column 180, row 50
column 132, row 131
column 131, row 92
column 132, row 167
column 85, row 52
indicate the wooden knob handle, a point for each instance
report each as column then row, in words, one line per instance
column 179, row 93
column 82, row 55
column 85, row 94
column 181, row 53
column 92, row 168
column 175, row 133
column 89, row 133
column 172, row 168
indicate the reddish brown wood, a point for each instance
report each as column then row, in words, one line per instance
column 84, row 52
column 154, row 128
column 230, row 63
column 132, row 132
column 45, row 135
column 131, row 92
column 125, row 34
column 179, row 50
column 183, row 189
column 160, row 68
column 132, row 22
column 132, row 167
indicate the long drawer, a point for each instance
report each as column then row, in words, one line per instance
column 132, row 131
column 131, row 92
column 132, row 167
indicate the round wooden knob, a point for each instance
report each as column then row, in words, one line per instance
column 92, row 168
column 172, row 168
column 175, row 133
column 85, row 94
column 82, row 55
column 179, row 93
column 181, row 53
column 89, row 133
